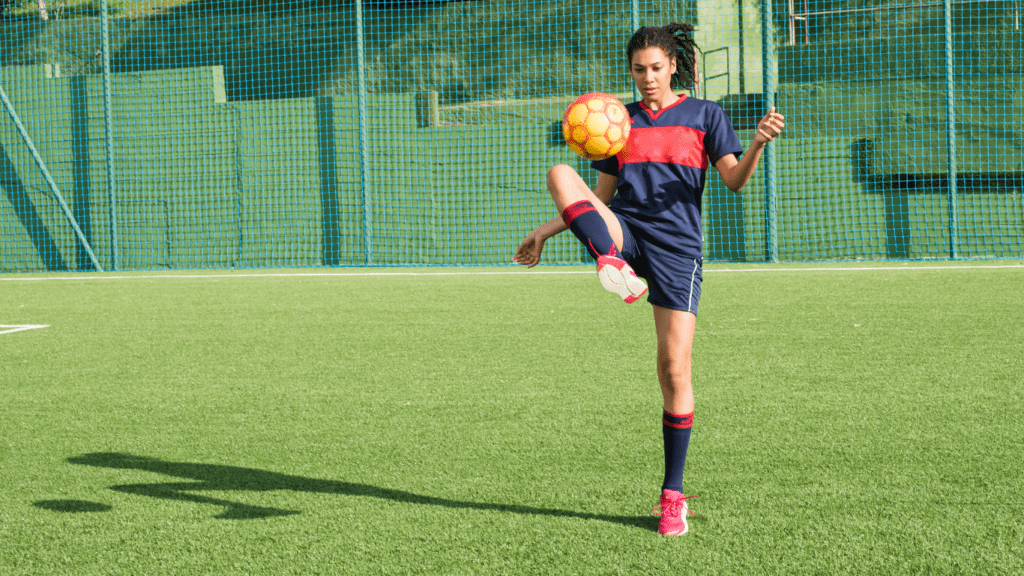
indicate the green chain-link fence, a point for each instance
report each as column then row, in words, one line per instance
column 163, row 134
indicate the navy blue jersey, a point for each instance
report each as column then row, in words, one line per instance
column 662, row 167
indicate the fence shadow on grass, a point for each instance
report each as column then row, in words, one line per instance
column 214, row 477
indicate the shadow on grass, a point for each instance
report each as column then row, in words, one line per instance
column 71, row 506
column 213, row 477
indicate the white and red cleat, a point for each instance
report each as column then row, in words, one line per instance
column 617, row 276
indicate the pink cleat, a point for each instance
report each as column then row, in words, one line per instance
column 617, row 276
column 673, row 511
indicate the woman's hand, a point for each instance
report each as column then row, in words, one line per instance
column 736, row 173
column 528, row 253
column 769, row 127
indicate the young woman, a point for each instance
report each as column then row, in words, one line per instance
column 643, row 220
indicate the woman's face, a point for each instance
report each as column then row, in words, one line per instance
column 652, row 72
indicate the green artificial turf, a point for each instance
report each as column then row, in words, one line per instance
column 848, row 421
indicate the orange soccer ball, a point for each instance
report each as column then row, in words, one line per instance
column 596, row 126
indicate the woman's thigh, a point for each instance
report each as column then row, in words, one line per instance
column 567, row 188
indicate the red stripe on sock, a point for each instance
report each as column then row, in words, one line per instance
column 573, row 211
column 678, row 420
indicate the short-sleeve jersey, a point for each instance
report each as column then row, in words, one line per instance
column 661, row 170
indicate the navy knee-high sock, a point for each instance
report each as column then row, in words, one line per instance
column 676, row 430
column 586, row 223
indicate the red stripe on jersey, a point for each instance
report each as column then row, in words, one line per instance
column 668, row 144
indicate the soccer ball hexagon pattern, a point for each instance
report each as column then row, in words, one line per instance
column 596, row 126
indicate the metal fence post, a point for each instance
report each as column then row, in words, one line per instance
column 364, row 144
column 108, row 135
column 634, row 25
column 47, row 176
column 768, row 156
column 951, row 168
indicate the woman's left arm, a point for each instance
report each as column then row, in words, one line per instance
column 736, row 173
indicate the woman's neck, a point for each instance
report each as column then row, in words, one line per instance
column 666, row 99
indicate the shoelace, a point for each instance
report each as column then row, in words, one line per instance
column 673, row 507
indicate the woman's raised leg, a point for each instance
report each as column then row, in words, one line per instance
column 568, row 189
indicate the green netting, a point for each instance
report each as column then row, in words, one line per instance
column 873, row 82
column 245, row 134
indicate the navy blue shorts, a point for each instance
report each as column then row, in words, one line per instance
column 673, row 280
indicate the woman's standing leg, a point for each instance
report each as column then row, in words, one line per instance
column 675, row 343
column 675, row 330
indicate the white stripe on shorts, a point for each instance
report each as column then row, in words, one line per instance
column 689, row 302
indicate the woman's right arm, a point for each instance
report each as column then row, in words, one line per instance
column 529, row 251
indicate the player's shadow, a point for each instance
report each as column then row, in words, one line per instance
column 214, row 477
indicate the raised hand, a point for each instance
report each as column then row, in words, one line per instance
column 769, row 127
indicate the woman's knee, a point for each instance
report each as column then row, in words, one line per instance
column 559, row 178
column 674, row 373
column 561, row 171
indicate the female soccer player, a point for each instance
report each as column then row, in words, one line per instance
column 651, row 228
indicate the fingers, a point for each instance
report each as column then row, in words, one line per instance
column 528, row 260
column 529, row 250
column 771, row 125
column 773, row 118
column 525, row 256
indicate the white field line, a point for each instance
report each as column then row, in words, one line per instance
column 20, row 327
column 493, row 273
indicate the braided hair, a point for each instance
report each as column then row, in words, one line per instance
column 676, row 40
